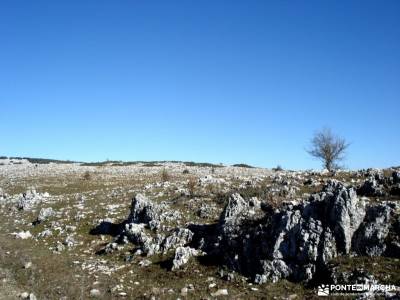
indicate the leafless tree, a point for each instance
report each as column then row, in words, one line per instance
column 328, row 147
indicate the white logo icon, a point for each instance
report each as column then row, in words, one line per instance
column 323, row 290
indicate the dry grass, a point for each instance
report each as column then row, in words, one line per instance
column 53, row 276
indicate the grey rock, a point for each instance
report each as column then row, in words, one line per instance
column 182, row 256
column 355, row 276
column 346, row 213
column 70, row 241
column 371, row 188
column 45, row 233
column 137, row 235
column 370, row 239
column 145, row 263
column 298, row 240
column 44, row 214
column 220, row 292
column 179, row 237
column 111, row 247
column 29, row 199
column 236, row 211
column 29, row 296
column 273, row 271
column 143, row 210
column 149, row 213
column 160, row 243
column 60, row 247
column 22, row 235
column 94, row 293
column 3, row 196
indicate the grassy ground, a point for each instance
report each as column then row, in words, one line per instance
column 72, row 273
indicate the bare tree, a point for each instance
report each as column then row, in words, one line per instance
column 328, row 147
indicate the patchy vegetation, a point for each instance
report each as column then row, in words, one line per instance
column 129, row 231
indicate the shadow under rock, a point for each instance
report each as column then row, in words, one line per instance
column 108, row 228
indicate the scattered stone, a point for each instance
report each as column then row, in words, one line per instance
column 60, row 247
column 145, row 263
column 45, row 233
column 44, row 214
column 220, row 292
column 184, row 291
column 23, row 235
column 95, row 293
column 70, row 241
column 29, row 296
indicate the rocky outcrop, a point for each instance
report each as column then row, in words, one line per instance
column 297, row 240
column 145, row 228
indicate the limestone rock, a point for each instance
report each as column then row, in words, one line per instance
column 297, row 240
column 182, row 256
column 44, row 214
column 371, row 188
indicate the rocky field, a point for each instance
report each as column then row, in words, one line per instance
column 169, row 230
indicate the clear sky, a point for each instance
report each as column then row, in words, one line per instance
column 216, row 81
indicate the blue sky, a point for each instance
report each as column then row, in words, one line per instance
column 216, row 81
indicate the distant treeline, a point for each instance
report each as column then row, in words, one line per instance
column 40, row 160
column 243, row 166
column 150, row 163
column 123, row 163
